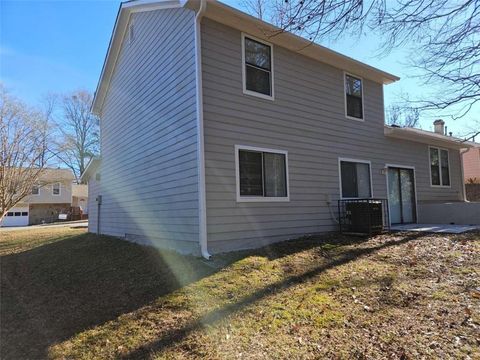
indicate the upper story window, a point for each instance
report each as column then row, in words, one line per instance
column 56, row 189
column 35, row 189
column 353, row 97
column 355, row 179
column 262, row 174
column 439, row 167
column 257, row 68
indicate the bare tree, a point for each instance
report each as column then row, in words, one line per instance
column 444, row 36
column 402, row 116
column 79, row 132
column 23, row 154
column 255, row 7
column 472, row 131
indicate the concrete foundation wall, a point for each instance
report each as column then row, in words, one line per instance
column 40, row 213
column 459, row 213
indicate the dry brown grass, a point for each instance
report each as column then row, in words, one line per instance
column 401, row 296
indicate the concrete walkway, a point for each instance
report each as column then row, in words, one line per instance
column 71, row 224
column 436, row 228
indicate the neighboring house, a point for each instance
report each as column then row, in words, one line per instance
column 471, row 165
column 471, row 173
column 80, row 197
column 51, row 196
column 92, row 173
column 216, row 136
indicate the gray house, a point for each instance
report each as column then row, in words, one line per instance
column 216, row 135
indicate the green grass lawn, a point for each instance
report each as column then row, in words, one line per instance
column 67, row 294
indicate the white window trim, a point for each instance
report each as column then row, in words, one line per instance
column 345, row 96
column 440, row 168
column 39, row 187
column 414, row 185
column 59, row 189
column 244, row 78
column 340, row 159
column 237, row 175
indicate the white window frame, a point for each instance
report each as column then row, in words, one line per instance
column 345, row 74
column 244, row 75
column 59, row 189
column 440, row 167
column 340, row 159
column 244, row 198
column 38, row 187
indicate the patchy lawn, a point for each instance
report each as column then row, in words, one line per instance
column 71, row 295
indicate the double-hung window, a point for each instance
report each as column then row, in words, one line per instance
column 262, row 174
column 355, row 179
column 257, row 68
column 353, row 97
column 439, row 167
column 35, row 189
column 56, row 189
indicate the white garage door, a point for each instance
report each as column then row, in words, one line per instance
column 16, row 217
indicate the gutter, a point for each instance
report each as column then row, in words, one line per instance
column 202, row 203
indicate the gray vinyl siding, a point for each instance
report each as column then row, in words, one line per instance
column 149, row 173
column 307, row 119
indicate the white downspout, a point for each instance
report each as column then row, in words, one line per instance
column 464, row 190
column 202, row 203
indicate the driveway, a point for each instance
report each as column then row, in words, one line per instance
column 72, row 224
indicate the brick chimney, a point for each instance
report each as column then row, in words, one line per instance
column 439, row 126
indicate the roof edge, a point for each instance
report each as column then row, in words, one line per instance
column 303, row 46
column 116, row 40
column 92, row 165
column 237, row 19
column 426, row 137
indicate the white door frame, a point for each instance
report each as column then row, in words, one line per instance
column 414, row 188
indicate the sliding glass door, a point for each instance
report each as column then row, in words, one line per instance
column 401, row 195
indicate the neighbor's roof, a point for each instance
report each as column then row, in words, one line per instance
column 49, row 175
column 92, row 166
column 427, row 137
column 239, row 20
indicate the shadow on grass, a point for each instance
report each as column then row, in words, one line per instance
column 54, row 291
column 179, row 334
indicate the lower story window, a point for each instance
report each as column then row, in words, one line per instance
column 262, row 174
column 355, row 179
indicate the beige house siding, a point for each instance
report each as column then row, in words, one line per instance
column 46, row 196
column 307, row 119
column 149, row 176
